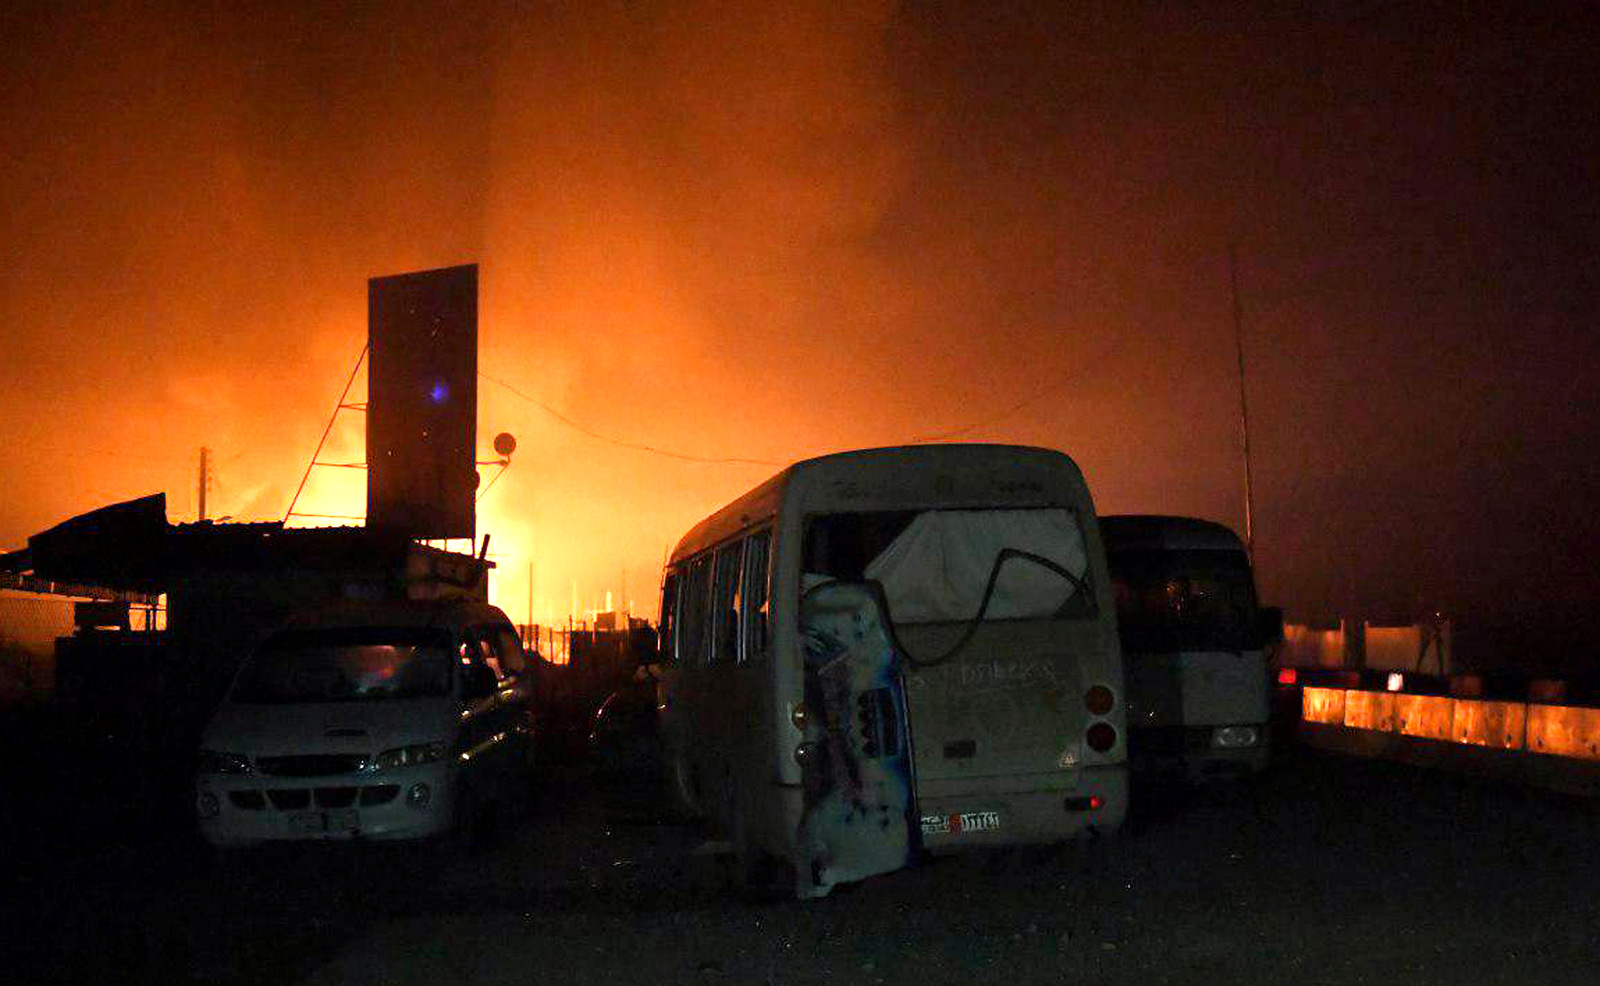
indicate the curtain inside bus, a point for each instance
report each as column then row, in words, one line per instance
column 1176, row 600
column 935, row 571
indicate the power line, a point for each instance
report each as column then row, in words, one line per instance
column 622, row 442
column 1035, row 397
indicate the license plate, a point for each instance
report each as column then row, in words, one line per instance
column 960, row 822
column 319, row 822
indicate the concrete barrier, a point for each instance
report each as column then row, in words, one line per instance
column 1564, row 731
column 1325, row 705
column 1484, row 723
column 1369, row 710
column 1459, row 723
column 1425, row 716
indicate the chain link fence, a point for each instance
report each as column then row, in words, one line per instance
column 29, row 626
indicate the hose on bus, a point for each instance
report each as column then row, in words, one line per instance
column 1080, row 585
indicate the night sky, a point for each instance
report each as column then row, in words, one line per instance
column 762, row 234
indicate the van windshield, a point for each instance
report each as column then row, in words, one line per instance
column 346, row 666
column 934, row 565
column 1183, row 600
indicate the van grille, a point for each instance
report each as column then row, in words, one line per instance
column 248, row 800
column 335, row 797
column 299, row 798
column 312, row 765
column 289, row 798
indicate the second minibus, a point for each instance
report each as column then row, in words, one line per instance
column 1194, row 645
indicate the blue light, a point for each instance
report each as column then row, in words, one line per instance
column 440, row 393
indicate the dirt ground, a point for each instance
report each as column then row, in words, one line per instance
column 1326, row 870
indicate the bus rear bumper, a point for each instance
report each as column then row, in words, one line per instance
column 1012, row 812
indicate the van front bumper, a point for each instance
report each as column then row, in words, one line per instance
column 413, row 803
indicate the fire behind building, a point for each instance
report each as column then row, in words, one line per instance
column 138, row 698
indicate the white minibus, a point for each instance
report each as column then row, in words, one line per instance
column 1194, row 645
column 884, row 652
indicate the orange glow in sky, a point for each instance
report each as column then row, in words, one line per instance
column 755, row 233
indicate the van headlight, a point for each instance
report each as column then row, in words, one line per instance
column 1234, row 737
column 217, row 762
column 411, row 756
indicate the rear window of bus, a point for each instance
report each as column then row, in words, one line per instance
column 935, row 565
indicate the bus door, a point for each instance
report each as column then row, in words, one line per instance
column 679, row 644
column 860, row 816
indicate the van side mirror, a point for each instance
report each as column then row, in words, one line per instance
column 1269, row 626
column 477, row 681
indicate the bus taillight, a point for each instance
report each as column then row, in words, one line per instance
column 1099, row 700
column 1101, row 737
column 1287, row 676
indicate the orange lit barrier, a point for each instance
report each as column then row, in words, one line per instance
column 1532, row 726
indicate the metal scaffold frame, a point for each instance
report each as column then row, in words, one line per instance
column 344, row 404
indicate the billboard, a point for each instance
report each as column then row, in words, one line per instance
column 422, row 402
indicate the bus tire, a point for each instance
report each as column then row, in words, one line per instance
column 681, row 789
column 755, row 874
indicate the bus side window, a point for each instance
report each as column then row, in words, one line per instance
column 756, row 553
column 669, row 618
column 1123, row 593
column 695, row 643
column 725, row 604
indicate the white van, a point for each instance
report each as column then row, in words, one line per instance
column 384, row 721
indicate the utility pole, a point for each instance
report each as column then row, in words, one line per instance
column 205, row 464
column 1244, row 409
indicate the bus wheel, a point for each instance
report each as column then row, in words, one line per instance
column 680, row 788
column 755, row 875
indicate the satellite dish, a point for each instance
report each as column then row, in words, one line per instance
column 505, row 443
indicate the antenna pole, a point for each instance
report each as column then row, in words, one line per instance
column 1244, row 408
column 205, row 455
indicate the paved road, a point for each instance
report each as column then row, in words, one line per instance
column 1327, row 870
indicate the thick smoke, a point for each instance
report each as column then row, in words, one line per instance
column 762, row 235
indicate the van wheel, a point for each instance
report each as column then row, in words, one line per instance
column 528, row 767
column 465, row 836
